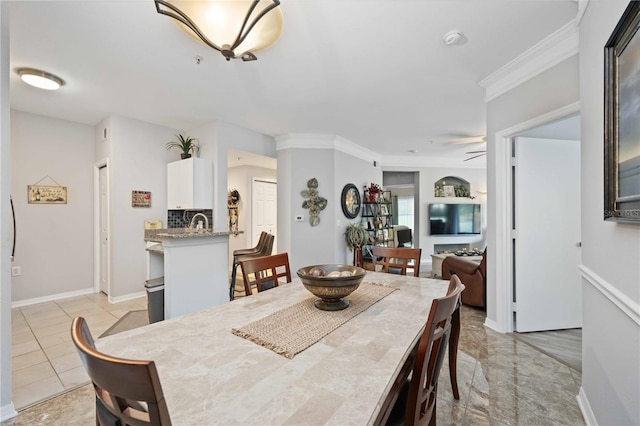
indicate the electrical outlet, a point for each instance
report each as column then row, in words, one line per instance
column 16, row 271
column 299, row 218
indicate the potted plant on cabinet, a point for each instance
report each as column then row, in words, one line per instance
column 356, row 235
column 187, row 145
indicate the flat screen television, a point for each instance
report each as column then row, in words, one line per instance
column 454, row 219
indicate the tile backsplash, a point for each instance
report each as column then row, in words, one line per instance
column 181, row 218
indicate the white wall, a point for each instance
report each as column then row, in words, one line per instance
column 610, row 251
column 54, row 245
column 324, row 243
column 215, row 140
column 551, row 90
column 6, row 407
column 360, row 172
column 138, row 162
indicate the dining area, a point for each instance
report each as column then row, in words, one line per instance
column 210, row 374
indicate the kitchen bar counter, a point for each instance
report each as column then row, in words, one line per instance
column 194, row 265
column 211, row 376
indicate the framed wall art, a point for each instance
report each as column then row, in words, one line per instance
column 42, row 194
column 621, row 129
column 141, row 199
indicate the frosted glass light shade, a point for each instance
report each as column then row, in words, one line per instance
column 220, row 21
column 40, row 79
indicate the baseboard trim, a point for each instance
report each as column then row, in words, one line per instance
column 51, row 298
column 7, row 412
column 492, row 325
column 621, row 300
column 585, row 408
column 54, row 297
column 126, row 297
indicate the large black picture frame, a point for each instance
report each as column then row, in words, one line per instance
column 621, row 121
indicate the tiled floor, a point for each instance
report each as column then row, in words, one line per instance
column 44, row 360
column 502, row 381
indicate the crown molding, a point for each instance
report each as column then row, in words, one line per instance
column 320, row 141
column 394, row 162
column 338, row 143
column 561, row 45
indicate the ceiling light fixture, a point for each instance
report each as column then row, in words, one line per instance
column 228, row 26
column 40, row 79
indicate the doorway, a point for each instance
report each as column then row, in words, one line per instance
column 264, row 212
column 546, row 233
column 242, row 169
column 102, row 281
column 504, row 260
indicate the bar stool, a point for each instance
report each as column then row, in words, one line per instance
column 264, row 248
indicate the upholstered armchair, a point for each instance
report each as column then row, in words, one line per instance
column 472, row 275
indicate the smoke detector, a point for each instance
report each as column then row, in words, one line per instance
column 452, row 37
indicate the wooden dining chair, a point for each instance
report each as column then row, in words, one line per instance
column 128, row 392
column 264, row 272
column 265, row 247
column 416, row 402
column 397, row 259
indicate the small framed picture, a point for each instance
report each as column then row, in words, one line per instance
column 449, row 191
column 384, row 211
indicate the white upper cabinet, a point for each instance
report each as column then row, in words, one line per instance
column 190, row 184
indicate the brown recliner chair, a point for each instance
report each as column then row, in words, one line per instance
column 472, row 275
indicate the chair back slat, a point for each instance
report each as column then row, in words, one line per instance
column 421, row 400
column 265, row 272
column 129, row 389
column 397, row 259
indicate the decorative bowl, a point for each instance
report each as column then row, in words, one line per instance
column 331, row 289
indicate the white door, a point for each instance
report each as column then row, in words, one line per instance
column 264, row 213
column 104, row 230
column 547, row 288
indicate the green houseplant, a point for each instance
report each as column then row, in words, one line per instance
column 356, row 235
column 187, row 145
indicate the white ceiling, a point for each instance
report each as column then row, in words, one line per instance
column 374, row 72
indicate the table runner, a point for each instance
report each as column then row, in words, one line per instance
column 289, row 331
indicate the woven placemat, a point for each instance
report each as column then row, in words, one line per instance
column 292, row 330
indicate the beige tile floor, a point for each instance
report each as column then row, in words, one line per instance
column 502, row 381
column 44, row 360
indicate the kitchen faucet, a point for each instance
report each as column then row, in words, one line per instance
column 193, row 219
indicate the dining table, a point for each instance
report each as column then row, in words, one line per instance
column 209, row 375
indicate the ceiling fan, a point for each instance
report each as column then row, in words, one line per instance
column 479, row 153
column 470, row 140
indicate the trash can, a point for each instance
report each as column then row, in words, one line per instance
column 155, row 299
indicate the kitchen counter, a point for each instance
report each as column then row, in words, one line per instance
column 194, row 265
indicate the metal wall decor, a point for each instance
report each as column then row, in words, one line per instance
column 314, row 202
column 621, row 131
column 233, row 199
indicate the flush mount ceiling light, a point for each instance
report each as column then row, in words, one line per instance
column 229, row 26
column 40, row 79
